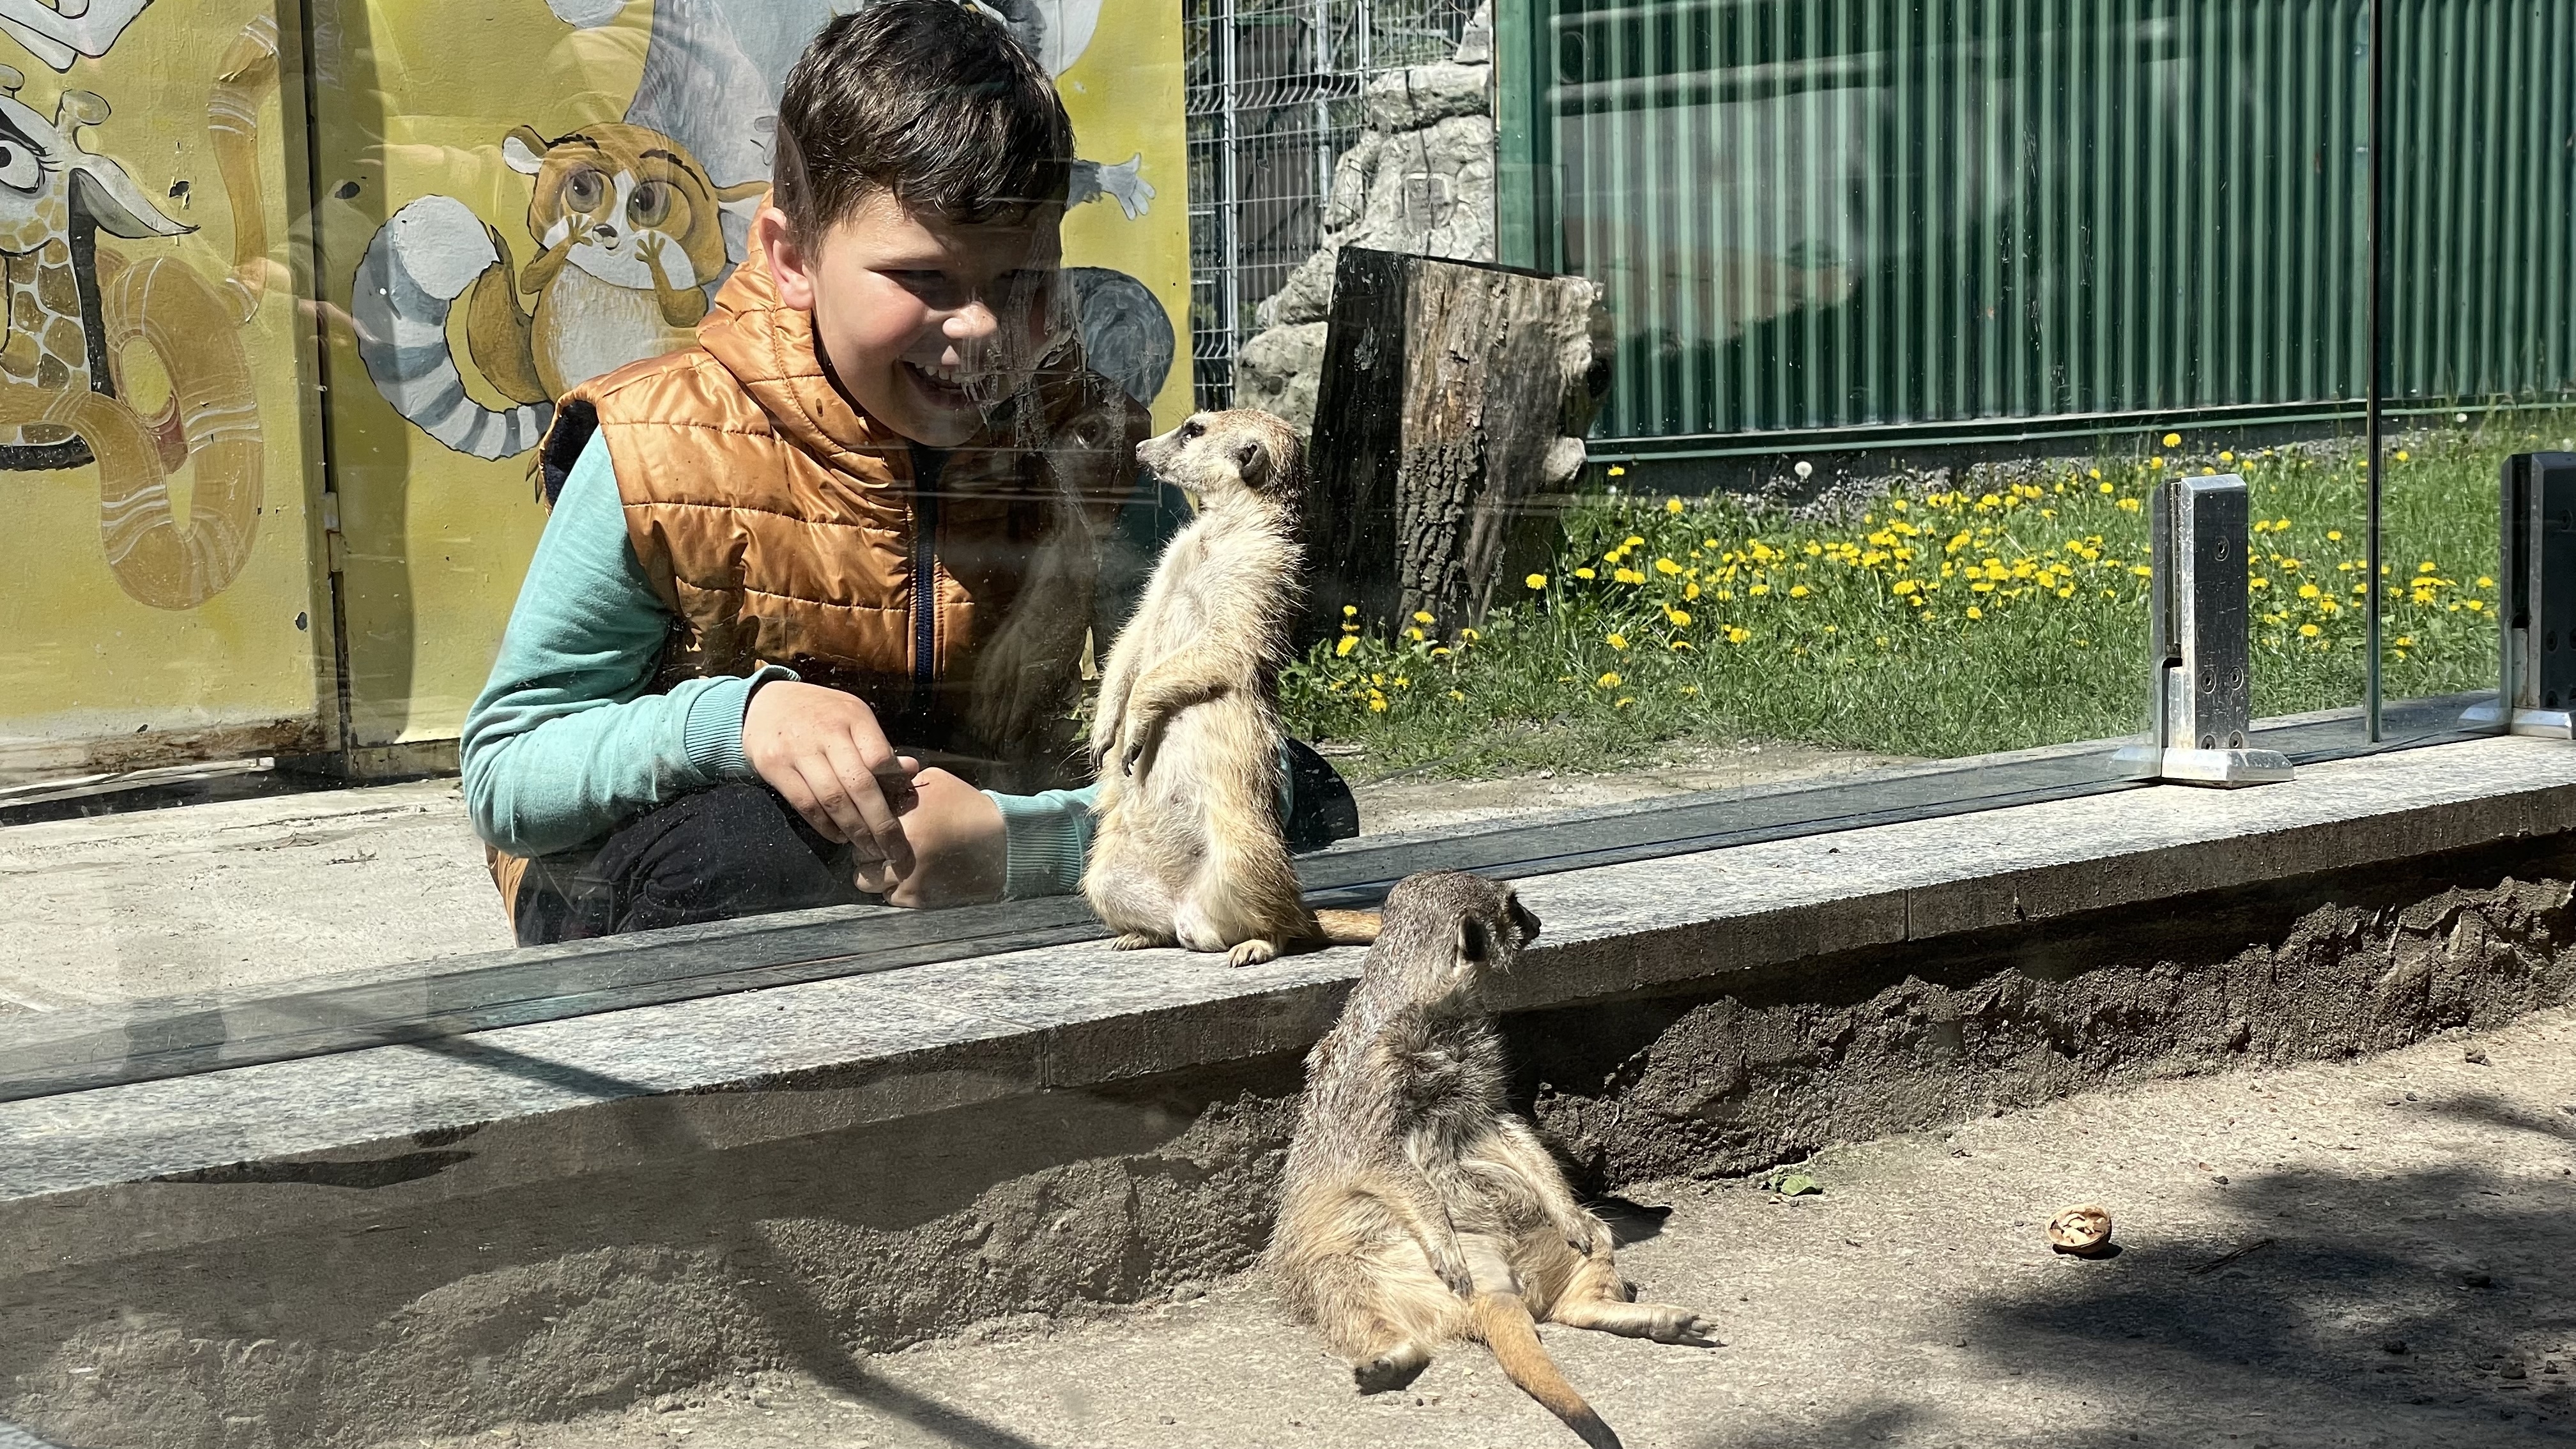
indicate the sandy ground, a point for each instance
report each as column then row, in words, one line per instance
column 2371, row 1253
column 248, row 892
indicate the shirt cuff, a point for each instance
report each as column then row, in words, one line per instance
column 711, row 731
column 1046, row 837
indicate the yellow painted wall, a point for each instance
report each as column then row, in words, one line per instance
column 416, row 97
column 211, row 615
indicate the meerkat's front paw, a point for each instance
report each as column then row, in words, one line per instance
column 1252, row 953
column 1136, row 941
column 1453, row 1272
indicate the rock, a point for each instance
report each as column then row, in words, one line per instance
column 1278, row 371
column 1408, row 99
column 1307, row 295
column 1476, row 42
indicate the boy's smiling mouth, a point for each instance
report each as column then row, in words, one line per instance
column 948, row 391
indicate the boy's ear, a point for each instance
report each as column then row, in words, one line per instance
column 789, row 265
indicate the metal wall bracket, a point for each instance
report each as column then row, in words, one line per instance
column 2204, row 699
column 2536, row 597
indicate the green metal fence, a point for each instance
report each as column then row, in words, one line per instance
column 1817, row 215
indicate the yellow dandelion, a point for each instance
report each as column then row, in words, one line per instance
column 2474, row 606
column 1377, row 704
column 1737, row 633
column 1975, row 613
column 2226, row 456
column 1458, row 695
column 1758, row 590
column 1618, row 472
column 1349, row 609
column 1628, row 576
column 2258, row 583
column 2156, row 462
column 1585, row 574
column 1609, row 680
column 1421, row 617
column 2142, row 571
column 1668, row 568
column 1690, row 591
column 2484, row 582
column 1403, row 683
column 1617, row 641
column 1623, row 702
column 2173, row 440
column 2309, row 631
column 2309, row 591
column 2066, row 591
column 2130, row 505
column 2401, row 455
column 1690, row 689
column 1343, row 649
column 1439, row 651
column 1469, row 636
column 1672, row 505
column 1536, row 581
column 1797, row 591
column 1681, row 644
column 1414, row 634
column 1681, row 617
column 1632, row 541
column 2095, row 474
column 2334, row 535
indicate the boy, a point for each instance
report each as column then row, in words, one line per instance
column 767, row 562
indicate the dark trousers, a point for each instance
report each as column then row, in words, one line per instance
column 740, row 850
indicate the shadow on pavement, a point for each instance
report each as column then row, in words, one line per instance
column 2411, row 1308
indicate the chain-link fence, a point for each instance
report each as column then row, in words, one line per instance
column 1274, row 100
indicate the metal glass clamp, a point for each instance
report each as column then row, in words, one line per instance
column 2204, row 698
column 2536, row 595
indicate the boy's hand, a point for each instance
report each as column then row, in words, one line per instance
column 959, row 850
column 823, row 751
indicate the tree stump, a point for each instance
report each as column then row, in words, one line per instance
column 1450, row 420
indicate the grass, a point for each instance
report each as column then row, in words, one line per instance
column 1938, row 618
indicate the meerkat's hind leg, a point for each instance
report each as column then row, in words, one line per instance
column 1595, row 1297
column 1252, row 952
column 1137, row 941
column 1395, row 1368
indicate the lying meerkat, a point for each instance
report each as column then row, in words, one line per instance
column 1415, row 1210
column 1187, row 847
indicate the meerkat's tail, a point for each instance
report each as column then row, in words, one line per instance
column 1503, row 1322
column 1347, row 928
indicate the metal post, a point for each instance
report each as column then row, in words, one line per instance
column 2204, row 699
column 2375, row 269
column 2536, row 599
column 1229, row 192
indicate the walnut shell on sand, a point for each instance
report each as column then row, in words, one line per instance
column 2083, row 1231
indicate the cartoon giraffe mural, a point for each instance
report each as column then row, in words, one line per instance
column 71, row 311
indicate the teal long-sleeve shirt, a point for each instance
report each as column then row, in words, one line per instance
column 568, row 738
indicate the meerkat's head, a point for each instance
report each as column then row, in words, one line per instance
column 1216, row 455
column 1446, row 930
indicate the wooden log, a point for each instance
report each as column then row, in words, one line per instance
column 1449, row 421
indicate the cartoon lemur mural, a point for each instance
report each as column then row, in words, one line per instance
column 72, row 309
column 696, row 136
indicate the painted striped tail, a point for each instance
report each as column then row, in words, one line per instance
column 416, row 266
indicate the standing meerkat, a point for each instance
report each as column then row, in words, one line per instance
column 1188, row 847
column 1416, row 1210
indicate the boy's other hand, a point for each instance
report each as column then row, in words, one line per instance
column 959, row 849
column 823, row 750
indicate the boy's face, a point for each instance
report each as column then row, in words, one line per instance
column 926, row 322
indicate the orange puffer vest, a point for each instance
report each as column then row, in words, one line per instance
column 780, row 525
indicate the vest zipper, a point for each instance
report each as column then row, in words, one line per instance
column 926, row 466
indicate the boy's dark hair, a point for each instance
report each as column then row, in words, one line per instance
column 930, row 100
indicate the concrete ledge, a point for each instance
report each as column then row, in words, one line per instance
column 383, row 1241
column 828, row 1055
